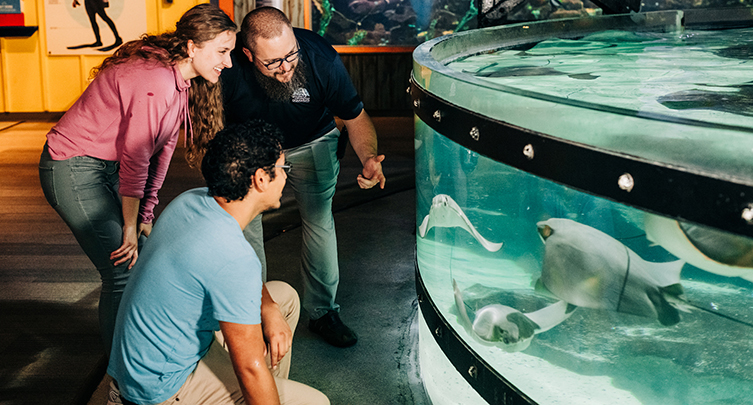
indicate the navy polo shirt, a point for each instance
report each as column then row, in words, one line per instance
column 309, row 114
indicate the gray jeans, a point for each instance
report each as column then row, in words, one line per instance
column 313, row 179
column 84, row 192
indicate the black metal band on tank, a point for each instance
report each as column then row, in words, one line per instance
column 647, row 185
column 487, row 382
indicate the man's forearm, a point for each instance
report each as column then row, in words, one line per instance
column 277, row 333
column 362, row 135
column 363, row 138
column 258, row 385
column 246, row 348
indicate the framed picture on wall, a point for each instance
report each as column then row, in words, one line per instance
column 92, row 27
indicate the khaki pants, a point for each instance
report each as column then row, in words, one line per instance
column 214, row 380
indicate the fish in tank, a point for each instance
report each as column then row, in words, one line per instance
column 487, row 248
column 702, row 75
column 390, row 22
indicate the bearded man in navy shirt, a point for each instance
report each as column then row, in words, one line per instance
column 294, row 79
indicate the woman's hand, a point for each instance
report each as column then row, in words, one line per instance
column 145, row 229
column 129, row 250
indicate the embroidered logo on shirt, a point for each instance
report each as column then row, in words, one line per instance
column 300, row 96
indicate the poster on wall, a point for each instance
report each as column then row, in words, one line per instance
column 92, row 27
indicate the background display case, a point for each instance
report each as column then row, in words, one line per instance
column 585, row 211
column 401, row 23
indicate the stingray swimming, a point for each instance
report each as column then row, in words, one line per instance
column 446, row 213
column 703, row 247
column 739, row 102
column 521, row 71
column 588, row 268
column 506, row 327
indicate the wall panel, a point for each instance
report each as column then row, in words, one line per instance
column 381, row 80
column 65, row 89
column 23, row 78
column 33, row 81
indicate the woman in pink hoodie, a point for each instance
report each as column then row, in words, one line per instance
column 105, row 160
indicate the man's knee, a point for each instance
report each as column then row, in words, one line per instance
column 292, row 392
column 286, row 298
column 318, row 398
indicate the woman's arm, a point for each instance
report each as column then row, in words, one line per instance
column 129, row 249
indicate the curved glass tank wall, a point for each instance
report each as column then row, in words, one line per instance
column 585, row 211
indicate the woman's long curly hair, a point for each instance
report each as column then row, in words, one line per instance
column 199, row 24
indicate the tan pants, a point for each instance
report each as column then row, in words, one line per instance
column 214, row 380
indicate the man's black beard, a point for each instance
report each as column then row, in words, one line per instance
column 282, row 92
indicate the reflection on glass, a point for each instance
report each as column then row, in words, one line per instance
column 657, row 5
column 701, row 78
column 580, row 300
column 689, row 74
column 411, row 22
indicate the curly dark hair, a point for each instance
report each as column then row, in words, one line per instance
column 236, row 153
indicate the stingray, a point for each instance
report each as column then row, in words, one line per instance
column 740, row 102
column 708, row 249
column 445, row 213
column 588, row 268
column 508, row 328
column 517, row 71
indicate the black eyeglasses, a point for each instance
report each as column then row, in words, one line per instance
column 287, row 167
column 292, row 57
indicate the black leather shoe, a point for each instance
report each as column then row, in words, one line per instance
column 333, row 330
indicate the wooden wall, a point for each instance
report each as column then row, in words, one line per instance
column 32, row 81
column 381, row 80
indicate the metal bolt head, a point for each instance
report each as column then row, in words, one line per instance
column 528, row 151
column 748, row 214
column 475, row 134
column 407, row 90
column 626, row 182
column 473, row 372
column 438, row 115
column 438, row 331
column 416, row 103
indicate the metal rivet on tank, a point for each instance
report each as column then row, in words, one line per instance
column 438, row 331
column 626, row 182
column 438, row 115
column 528, row 151
column 748, row 214
column 473, row 372
column 407, row 90
column 416, row 103
column 475, row 133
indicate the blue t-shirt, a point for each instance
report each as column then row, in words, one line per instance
column 195, row 269
column 309, row 114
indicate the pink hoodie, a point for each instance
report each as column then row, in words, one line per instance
column 130, row 113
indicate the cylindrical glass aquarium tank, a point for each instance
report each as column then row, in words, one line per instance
column 585, row 211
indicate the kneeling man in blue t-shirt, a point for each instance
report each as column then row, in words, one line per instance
column 196, row 275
